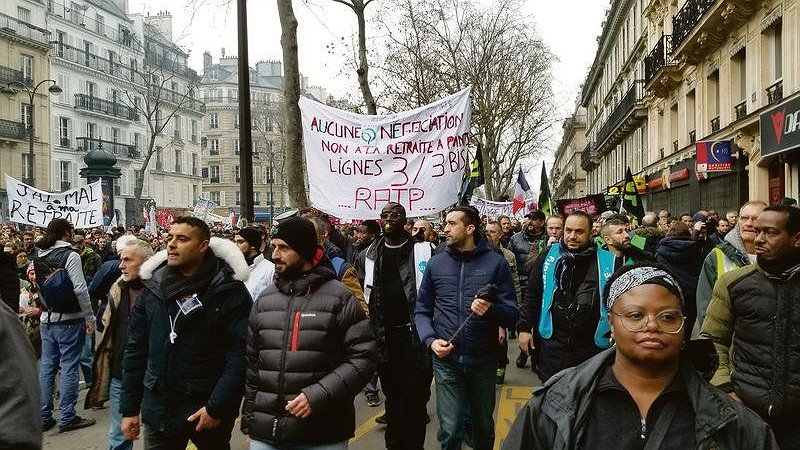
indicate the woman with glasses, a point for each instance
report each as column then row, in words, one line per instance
column 642, row 393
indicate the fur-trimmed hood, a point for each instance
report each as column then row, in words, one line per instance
column 221, row 248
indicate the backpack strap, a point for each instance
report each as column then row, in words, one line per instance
column 338, row 263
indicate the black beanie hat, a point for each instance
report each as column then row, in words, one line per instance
column 300, row 235
column 252, row 236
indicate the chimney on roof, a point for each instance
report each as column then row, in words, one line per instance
column 161, row 22
column 207, row 62
column 223, row 52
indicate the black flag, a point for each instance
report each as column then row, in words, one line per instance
column 630, row 197
column 474, row 178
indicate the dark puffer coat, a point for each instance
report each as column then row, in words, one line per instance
column 311, row 336
column 682, row 255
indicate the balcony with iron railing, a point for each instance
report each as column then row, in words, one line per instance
column 740, row 110
column 588, row 162
column 698, row 28
column 661, row 72
column 92, row 61
column 15, row 28
column 178, row 99
column 173, row 65
column 106, row 107
column 629, row 113
column 9, row 75
column 775, row 92
column 122, row 35
column 715, row 124
column 116, row 148
column 13, row 130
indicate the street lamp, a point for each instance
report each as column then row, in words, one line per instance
column 9, row 90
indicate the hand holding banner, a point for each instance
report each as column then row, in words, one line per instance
column 82, row 206
column 357, row 163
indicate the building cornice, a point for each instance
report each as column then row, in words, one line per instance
column 614, row 20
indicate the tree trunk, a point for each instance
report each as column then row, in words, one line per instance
column 291, row 109
column 363, row 67
column 139, row 184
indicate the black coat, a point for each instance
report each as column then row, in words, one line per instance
column 308, row 336
column 553, row 418
column 204, row 367
column 9, row 281
column 683, row 256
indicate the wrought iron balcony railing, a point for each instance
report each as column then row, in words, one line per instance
column 687, row 18
column 715, row 124
column 693, row 136
column 775, row 92
column 14, row 130
column 24, row 30
column 741, row 110
column 621, row 111
column 9, row 75
column 658, row 58
column 94, row 104
column 115, row 148
column 122, row 35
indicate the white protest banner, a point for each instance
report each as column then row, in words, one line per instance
column 82, row 206
column 357, row 164
column 202, row 207
column 491, row 209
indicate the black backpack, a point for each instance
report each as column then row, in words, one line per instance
column 56, row 290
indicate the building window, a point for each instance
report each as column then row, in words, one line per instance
column 236, row 121
column 27, row 169
column 777, row 51
column 177, row 120
column 236, row 146
column 214, row 174
column 100, row 26
column 91, row 130
column 215, row 197
column 213, row 147
column 64, row 172
column 91, row 89
column 256, row 198
column 194, row 164
column 136, row 140
column 270, row 198
column 25, row 113
column 112, row 64
column 178, row 161
column 26, row 66
column 23, row 14
column 63, row 131
column 159, row 159
column 214, row 120
column 236, row 174
column 194, row 130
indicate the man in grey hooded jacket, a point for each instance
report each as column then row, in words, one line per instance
column 737, row 250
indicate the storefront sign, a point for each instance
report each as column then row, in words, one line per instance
column 679, row 175
column 713, row 156
column 593, row 205
column 780, row 128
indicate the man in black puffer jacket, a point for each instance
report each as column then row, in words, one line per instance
column 310, row 349
column 184, row 362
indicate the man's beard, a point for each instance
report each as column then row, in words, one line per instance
column 292, row 271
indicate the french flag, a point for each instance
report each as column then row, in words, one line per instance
column 520, row 188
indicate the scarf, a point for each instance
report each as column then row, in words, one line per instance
column 565, row 268
column 176, row 285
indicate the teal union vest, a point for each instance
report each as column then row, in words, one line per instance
column 605, row 267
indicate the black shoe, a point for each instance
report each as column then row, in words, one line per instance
column 501, row 375
column 47, row 426
column 76, row 424
column 381, row 419
column 522, row 360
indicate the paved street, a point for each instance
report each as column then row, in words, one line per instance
column 368, row 436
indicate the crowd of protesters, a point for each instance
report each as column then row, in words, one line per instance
column 677, row 327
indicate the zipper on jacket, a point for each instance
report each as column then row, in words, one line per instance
column 644, row 430
column 295, row 330
column 460, row 313
column 275, row 427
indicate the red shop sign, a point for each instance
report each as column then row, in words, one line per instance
column 679, row 175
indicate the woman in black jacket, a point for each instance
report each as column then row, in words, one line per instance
column 683, row 256
column 642, row 392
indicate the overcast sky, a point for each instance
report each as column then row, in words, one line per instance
column 569, row 27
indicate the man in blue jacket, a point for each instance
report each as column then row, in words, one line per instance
column 461, row 327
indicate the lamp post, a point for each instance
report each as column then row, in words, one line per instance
column 53, row 89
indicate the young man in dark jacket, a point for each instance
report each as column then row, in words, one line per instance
column 466, row 294
column 404, row 364
column 184, row 367
column 310, row 350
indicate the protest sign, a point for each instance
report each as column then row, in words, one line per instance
column 592, row 205
column 82, row 206
column 491, row 209
column 165, row 217
column 202, row 207
column 357, row 163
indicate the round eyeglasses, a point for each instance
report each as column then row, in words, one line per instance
column 635, row 321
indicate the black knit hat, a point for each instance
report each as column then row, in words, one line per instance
column 252, row 236
column 300, row 235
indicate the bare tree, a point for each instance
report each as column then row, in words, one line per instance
column 439, row 47
column 293, row 143
column 268, row 129
column 358, row 7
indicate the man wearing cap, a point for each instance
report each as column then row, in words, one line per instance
column 261, row 269
column 310, row 350
column 562, row 317
column 392, row 269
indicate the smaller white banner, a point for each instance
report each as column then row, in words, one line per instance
column 82, row 206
